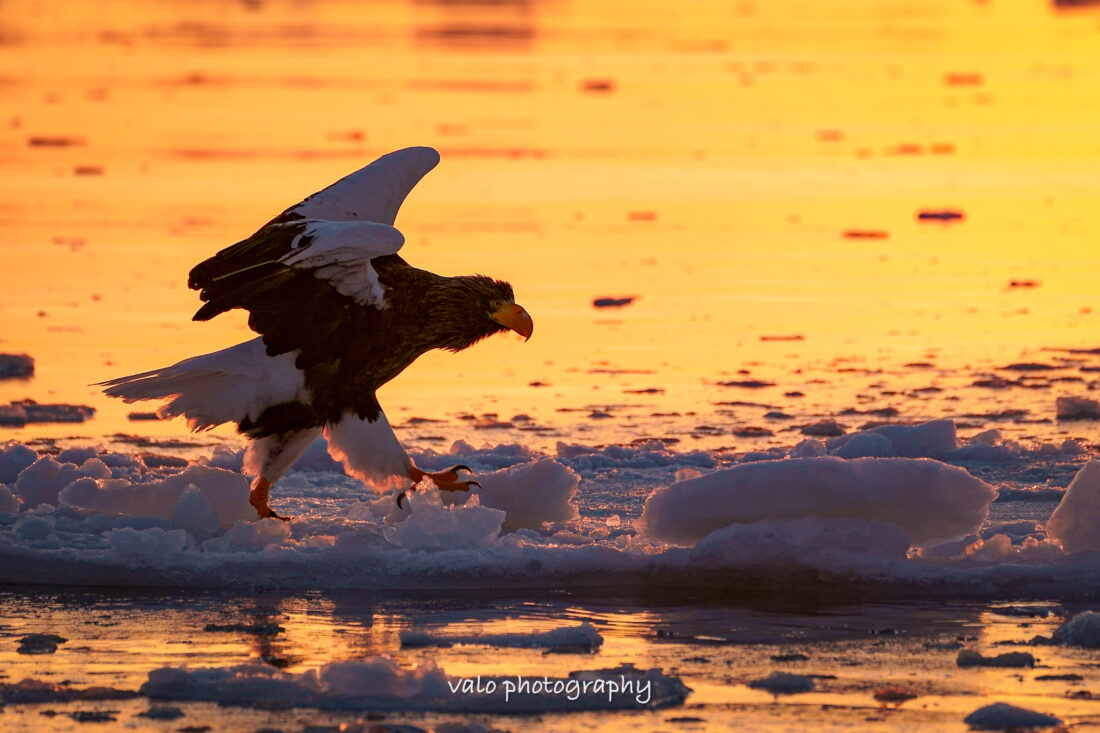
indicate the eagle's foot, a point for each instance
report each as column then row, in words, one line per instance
column 446, row 480
column 257, row 497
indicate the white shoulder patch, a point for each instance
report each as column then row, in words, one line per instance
column 339, row 252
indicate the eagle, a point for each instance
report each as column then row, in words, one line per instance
column 339, row 313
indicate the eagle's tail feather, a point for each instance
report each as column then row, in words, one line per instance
column 209, row 390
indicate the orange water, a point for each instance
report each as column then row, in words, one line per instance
column 706, row 158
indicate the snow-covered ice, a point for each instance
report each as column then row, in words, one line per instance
column 588, row 516
column 1075, row 523
column 929, row 499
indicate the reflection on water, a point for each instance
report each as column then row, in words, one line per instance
column 850, row 650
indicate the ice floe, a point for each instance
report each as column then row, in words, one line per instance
column 588, row 516
column 379, row 683
column 929, row 499
column 581, row 638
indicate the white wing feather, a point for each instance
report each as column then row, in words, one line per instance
column 374, row 192
column 339, row 252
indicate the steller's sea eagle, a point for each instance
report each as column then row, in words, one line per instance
column 339, row 314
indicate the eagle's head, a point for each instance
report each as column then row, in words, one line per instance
column 483, row 306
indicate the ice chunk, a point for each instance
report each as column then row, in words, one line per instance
column 531, row 494
column 226, row 491
column 1002, row 716
column 379, row 683
column 14, row 457
column 584, row 638
column 16, row 366
column 9, row 504
column 40, row 643
column 40, row 482
column 968, row 658
column 432, row 526
column 809, row 448
column 931, row 500
column 196, row 514
column 250, row 536
column 832, row 543
column 930, row 439
column 783, row 683
column 1082, row 630
column 151, row 546
column 1075, row 524
column 1077, row 408
column 866, row 445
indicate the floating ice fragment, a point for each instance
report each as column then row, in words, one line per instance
column 153, row 546
column 581, row 638
column 968, row 658
column 1002, row 716
column 783, row 683
column 40, row 643
column 1077, row 408
column 379, row 683
column 1082, row 630
column 16, row 366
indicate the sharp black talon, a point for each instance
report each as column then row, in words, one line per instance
column 460, row 467
column 399, row 498
column 471, row 483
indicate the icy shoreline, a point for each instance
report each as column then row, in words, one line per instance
column 847, row 516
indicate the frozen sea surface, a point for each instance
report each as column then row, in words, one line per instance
column 701, row 571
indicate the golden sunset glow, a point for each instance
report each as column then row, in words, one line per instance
column 707, row 161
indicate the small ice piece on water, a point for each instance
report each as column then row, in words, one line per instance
column 531, row 494
column 1075, row 524
column 40, row 643
column 929, row 499
column 581, row 638
column 783, row 683
column 1077, row 408
column 162, row 712
column 1082, row 630
column 16, row 366
column 1002, row 716
column 968, row 658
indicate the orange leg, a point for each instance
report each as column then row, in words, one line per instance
column 261, row 488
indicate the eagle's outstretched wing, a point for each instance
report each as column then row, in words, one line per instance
column 301, row 273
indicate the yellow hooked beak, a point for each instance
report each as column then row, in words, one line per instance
column 515, row 318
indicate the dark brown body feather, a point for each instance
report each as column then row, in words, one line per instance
column 347, row 349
